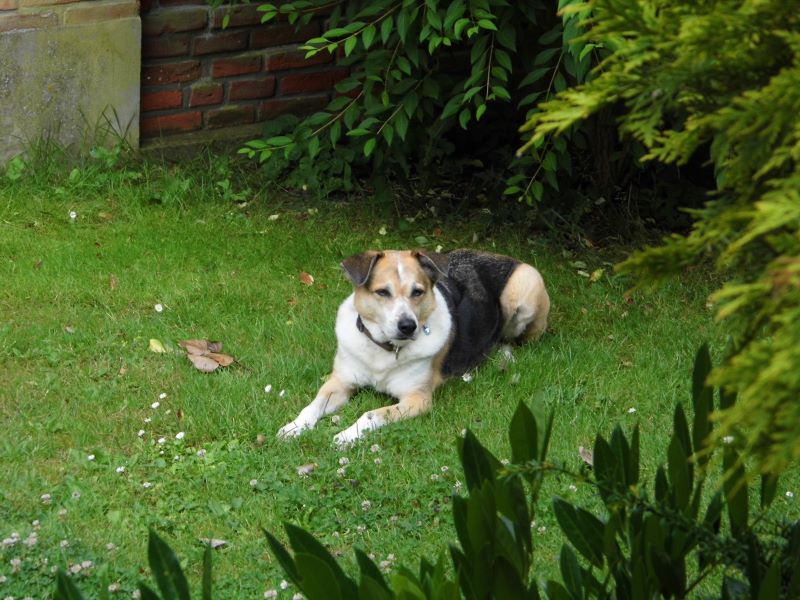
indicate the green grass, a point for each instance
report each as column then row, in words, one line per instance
column 78, row 378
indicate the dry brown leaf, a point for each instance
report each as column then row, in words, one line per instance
column 38, row 264
column 203, row 363
column 306, row 470
column 112, row 281
column 214, row 346
column 306, row 278
column 225, row 360
column 586, row 455
column 198, row 347
column 108, row 217
column 179, row 413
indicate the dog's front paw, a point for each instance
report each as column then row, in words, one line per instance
column 346, row 437
column 292, row 429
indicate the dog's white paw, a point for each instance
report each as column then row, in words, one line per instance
column 346, row 438
column 293, row 429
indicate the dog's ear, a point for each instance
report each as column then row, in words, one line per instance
column 433, row 263
column 359, row 266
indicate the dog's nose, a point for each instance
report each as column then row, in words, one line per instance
column 406, row 326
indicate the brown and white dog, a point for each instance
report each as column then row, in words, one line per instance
column 416, row 318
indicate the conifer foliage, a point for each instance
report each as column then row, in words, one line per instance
column 720, row 78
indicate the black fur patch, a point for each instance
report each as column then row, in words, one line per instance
column 472, row 288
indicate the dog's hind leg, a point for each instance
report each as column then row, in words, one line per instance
column 412, row 405
column 333, row 394
column 525, row 305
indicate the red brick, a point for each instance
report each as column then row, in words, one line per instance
column 296, row 59
column 174, row 20
column 241, row 65
column 177, row 123
column 165, row 46
column 12, row 21
column 188, row 70
column 161, row 100
column 240, row 16
column 230, row 115
column 252, row 89
column 204, row 94
column 299, row 105
column 280, row 34
column 212, row 43
column 315, row 81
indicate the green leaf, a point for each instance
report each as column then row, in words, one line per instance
column 206, row 586
column 349, row 45
column 458, row 28
column 370, row 570
column 279, row 140
column 487, row 24
column 735, row 490
column 66, row 588
column 523, row 435
column 678, row 469
column 318, row 581
column 463, row 118
column 769, row 486
column 479, row 111
column 770, row 585
column 386, row 29
column 369, row 146
column 313, row 146
column 368, row 35
column 583, row 530
column 702, row 400
column 479, row 464
column 571, row 572
column 507, row 37
column 534, row 76
column 284, row 558
column 166, row 569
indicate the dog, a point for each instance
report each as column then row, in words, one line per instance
column 416, row 318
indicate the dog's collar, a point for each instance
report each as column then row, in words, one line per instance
column 388, row 346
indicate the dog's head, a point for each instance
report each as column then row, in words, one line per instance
column 394, row 290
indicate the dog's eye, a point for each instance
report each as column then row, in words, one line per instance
column 417, row 292
column 383, row 293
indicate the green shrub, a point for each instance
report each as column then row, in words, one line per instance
column 419, row 71
column 657, row 539
column 724, row 78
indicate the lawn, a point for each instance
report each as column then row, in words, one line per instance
column 103, row 438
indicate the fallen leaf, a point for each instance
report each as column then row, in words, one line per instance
column 214, row 543
column 627, row 363
column 214, row 346
column 596, row 275
column 586, row 455
column 261, row 439
column 583, row 273
column 292, row 302
column 203, row 363
column 179, row 413
column 156, row 346
column 38, row 264
column 306, row 470
column 112, row 281
column 224, row 360
column 69, row 329
column 105, row 216
column 199, row 347
column 306, row 278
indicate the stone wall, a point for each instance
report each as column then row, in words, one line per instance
column 197, row 76
column 69, row 70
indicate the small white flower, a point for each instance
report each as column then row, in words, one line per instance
column 464, row 432
column 343, row 461
column 64, row 544
column 728, row 439
column 62, row 513
column 434, row 477
column 542, row 529
column 87, row 564
column 505, row 462
column 46, row 498
column 90, row 457
column 273, row 217
column 201, row 453
column 394, row 519
column 341, row 471
column 159, row 308
column 284, row 584
column 161, row 440
column 375, row 448
column 136, row 594
column 361, row 528
column 180, row 435
column 457, row 486
column 385, row 565
column 573, row 487
column 176, row 457
column 73, row 215
column 147, row 419
column 269, row 594
column 390, row 557
column 445, row 468
column 378, row 460
column 120, row 469
column 3, row 578
column 140, row 433
column 147, row 485
column 16, row 564
column 114, row 587
column 268, row 389
column 366, row 505
column 382, row 230
column 789, row 494
column 336, row 419
column 297, row 596
column 253, row 482
column 75, row 569
column 631, row 410
column 161, row 453
column 281, row 394
column 467, row 377
column 35, row 524
column 155, row 404
column 76, row 495
column 111, row 546
column 162, row 395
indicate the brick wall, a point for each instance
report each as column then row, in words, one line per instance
column 198, row 76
